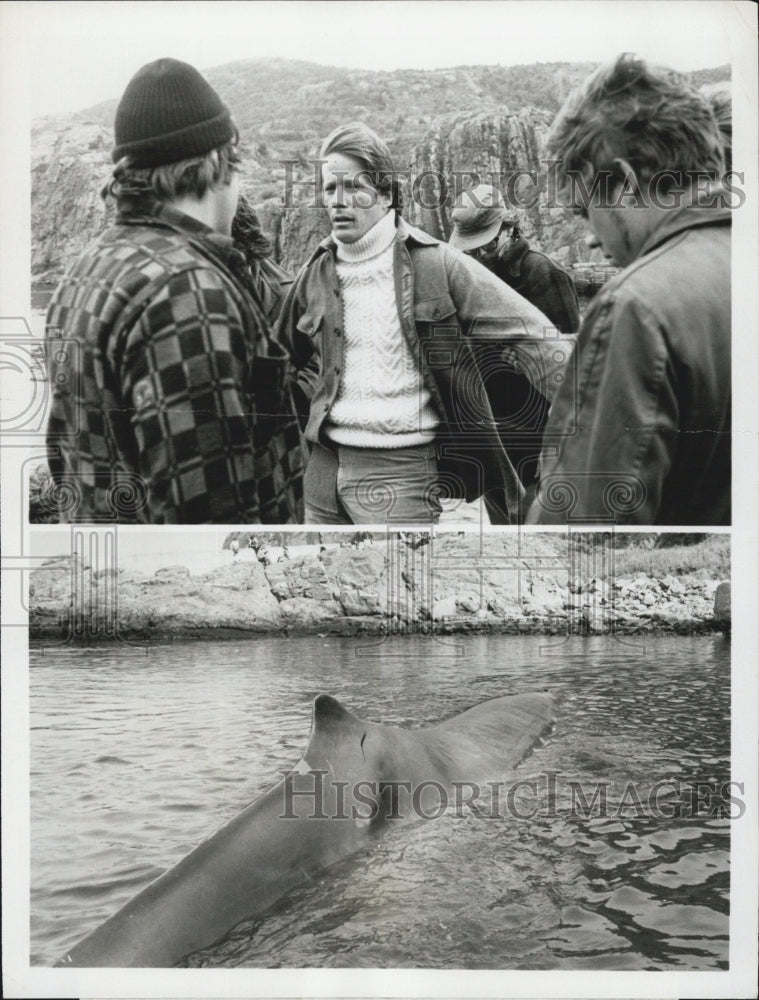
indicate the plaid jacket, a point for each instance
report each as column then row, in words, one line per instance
column 170, row 399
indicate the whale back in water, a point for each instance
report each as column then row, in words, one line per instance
column 334, row 803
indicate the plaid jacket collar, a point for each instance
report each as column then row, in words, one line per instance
column 153, row 212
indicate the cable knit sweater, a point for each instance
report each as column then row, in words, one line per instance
column 381, row 401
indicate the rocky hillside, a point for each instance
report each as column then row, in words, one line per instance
column 468, row 117
column 518, row 585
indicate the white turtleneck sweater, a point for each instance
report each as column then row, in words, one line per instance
column 382, row 401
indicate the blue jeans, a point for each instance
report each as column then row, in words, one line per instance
column 371, row 485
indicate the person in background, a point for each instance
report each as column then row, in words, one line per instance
column 170, row 401
column 484, row 229
column 390, row 331
column 271, row 281
column 644, row 435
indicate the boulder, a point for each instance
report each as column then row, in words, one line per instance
column 51, row 584
column 300, row 612
column 470, row 603
column 359, row 579
column 171, row 572
column 722, row 605
column 201, row 608
column 444, row 609
column 243, row 575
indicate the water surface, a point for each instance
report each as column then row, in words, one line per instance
column 138, row 754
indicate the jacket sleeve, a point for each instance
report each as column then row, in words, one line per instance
column 492, row 312
column 610, row 439
column 298, row 342
column 184, row 375
column 556, row 292
column 274, row 283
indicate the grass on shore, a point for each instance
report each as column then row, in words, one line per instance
column 709, row 559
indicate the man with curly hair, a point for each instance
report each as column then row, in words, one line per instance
column 170, row 397
column 643, row 435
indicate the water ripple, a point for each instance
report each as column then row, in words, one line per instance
column 146, row 755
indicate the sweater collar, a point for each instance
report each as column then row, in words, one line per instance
column 403, row 232
column 372, row 243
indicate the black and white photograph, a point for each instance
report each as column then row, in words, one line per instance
column 266, row 290
column 379, row 483
column 526, row 771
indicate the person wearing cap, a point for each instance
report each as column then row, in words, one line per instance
column 393, row 334
column 483, row 228
column 644, row 436
column 170, row 397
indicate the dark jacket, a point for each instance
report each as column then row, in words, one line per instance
column 644, row 435
column 548, row 286
column 541, row 281
column 170, row 399
column 459, row 322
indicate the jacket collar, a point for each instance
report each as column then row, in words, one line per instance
column 405, row 233
column 154, row 212
column 688, row 216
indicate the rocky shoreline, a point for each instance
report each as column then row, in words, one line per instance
column 514, row 586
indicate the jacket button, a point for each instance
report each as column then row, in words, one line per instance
column 337, row 331
column 337, row 370
column 336, row 291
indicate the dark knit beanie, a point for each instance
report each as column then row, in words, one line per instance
column 169, row 113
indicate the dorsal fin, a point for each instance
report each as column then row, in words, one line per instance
column 328, row 711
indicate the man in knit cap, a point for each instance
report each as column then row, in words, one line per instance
column 394, row 335
column 171, row 402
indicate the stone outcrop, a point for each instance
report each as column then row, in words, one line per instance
column 69, row 166
column 722, row 605
column 514, row 585
column 462, row 149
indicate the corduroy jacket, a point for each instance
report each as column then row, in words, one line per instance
column 170, row 399
column 644, row 437
column 461, row 323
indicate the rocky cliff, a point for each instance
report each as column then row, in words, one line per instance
column 401, row 585
column 70, row 161
column 462, row 149
column 465, row 118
